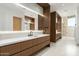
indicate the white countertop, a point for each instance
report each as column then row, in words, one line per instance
column 16, row 40
column 13, row 32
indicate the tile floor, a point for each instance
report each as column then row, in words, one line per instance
column 63, row 47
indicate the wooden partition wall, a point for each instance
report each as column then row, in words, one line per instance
column 55, row 30
column 44, row 22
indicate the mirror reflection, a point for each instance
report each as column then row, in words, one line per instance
column 19, row 17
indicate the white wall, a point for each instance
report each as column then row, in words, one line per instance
column 64, row 26
column 77, row 27
column 7, row 11
column 34, row 7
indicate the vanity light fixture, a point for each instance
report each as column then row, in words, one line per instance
column 20, row 5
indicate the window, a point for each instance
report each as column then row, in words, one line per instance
column 71, row 22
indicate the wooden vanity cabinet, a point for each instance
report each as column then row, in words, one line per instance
column 37, row 44
column 25, row 48
column 15, row 48
column 32, row 50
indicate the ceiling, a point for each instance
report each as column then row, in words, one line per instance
column 64, row 9
column 44, row 5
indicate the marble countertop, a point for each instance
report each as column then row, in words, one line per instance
column 20, row 39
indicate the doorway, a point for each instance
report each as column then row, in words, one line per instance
column 68, row 26
column 71, row 26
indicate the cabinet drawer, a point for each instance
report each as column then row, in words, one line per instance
column 42, row 39
column 26, row 52
column 26, row 44
column 32, row 50
column 44, row 44
column 10, row 49
column 14, row 48
column 41, row 45
column 35, row 41
column 39, row 40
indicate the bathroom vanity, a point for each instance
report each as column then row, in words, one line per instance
column 21, row 33
column 24, row 46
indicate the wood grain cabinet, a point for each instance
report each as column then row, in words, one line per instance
column 44, row 21
column 25, row 48
column 55, row 31
column 43, row 39
column 15, row 48
column 33, row 49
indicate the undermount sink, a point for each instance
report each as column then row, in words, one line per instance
column 30, row 35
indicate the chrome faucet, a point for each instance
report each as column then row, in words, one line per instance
column 30, row 34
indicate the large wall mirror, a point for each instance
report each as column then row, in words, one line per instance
column 29, row 23
column 14, row 17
